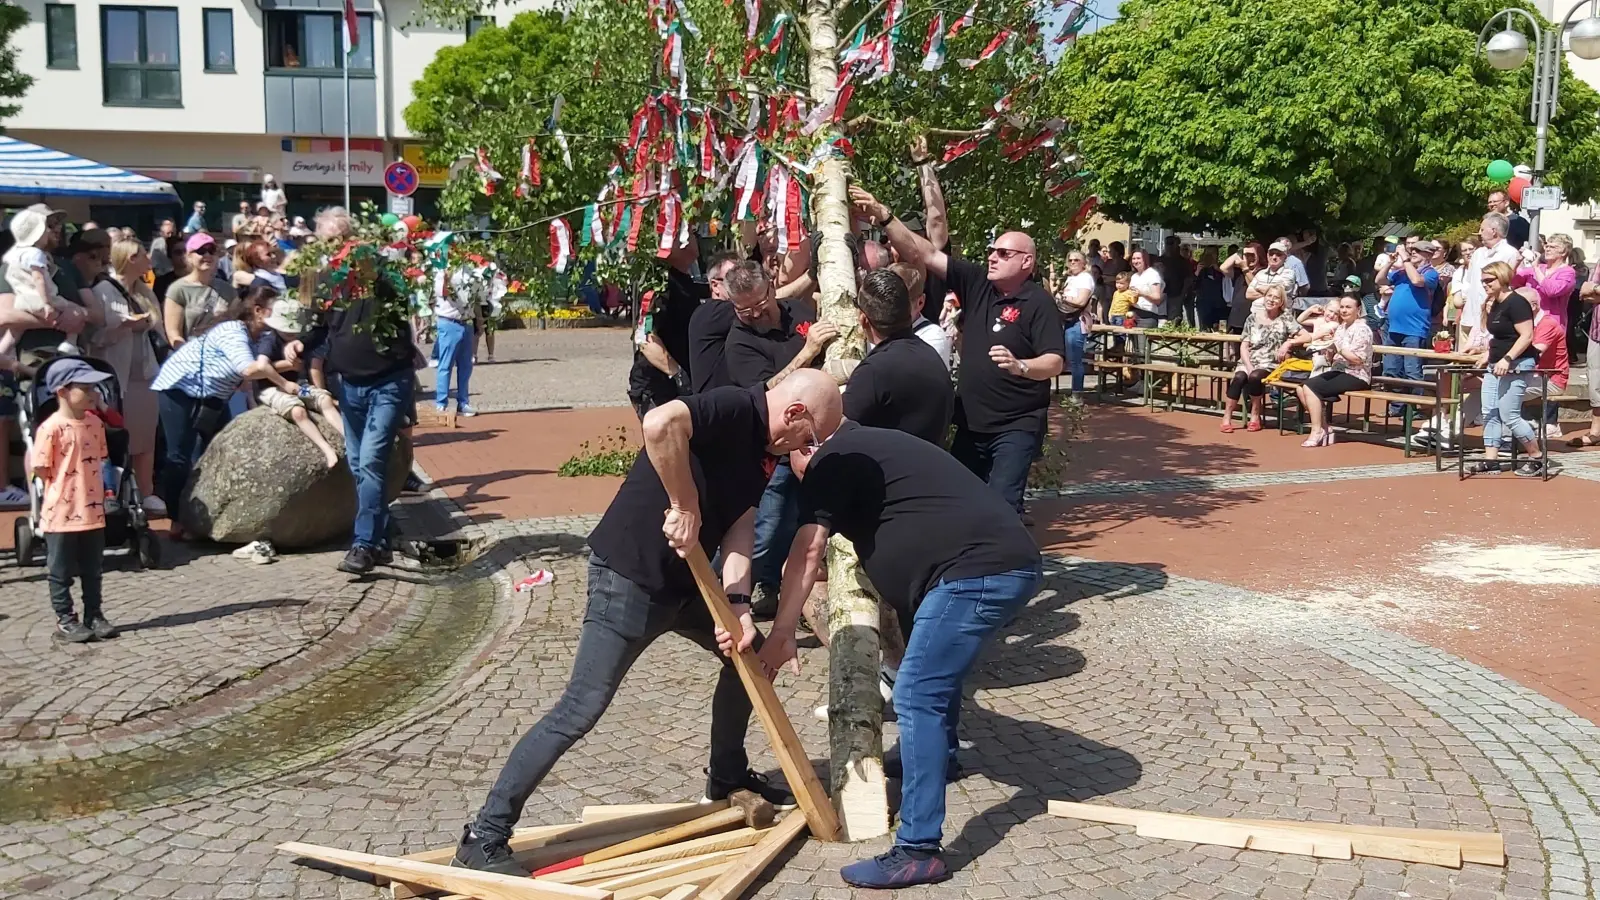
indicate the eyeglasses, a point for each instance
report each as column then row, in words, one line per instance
column 751, row 310
column 1491, row 281
column 1005, row 253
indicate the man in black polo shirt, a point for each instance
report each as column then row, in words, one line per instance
column 902, row 384
column 661, row 364
column 772, row 340
column 705, row 462
column 709, row 328
column 1012, row 344
column 953, row 560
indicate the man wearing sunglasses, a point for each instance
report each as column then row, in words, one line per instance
column 703, row 469
column 1012, row 345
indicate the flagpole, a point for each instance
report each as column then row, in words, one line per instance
column 347, row 122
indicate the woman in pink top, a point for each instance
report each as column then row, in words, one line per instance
column 1349, row 358
column 1553, row 277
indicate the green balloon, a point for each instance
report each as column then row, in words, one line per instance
column 390, row 220
column 1501, row 171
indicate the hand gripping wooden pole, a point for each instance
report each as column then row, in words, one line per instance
column 814, row 802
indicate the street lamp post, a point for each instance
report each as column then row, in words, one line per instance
column 1508, row 49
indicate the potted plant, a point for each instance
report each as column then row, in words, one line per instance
column 1442, row 342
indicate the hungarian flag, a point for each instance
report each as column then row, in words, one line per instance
column 352, row 34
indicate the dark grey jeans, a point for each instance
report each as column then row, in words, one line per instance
column 620, row 622
column 75, row 554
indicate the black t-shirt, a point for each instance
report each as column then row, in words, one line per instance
column 708, row 345
column 991, row 399
column 729, row 445
column 915, row 514
column 754, row 356
column 1208, row 288
column 1516, row 231
column 902, row 384
column 669, row 322
column 1503, row 328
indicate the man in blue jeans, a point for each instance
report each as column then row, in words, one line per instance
column 375, row 366
column 955, row 562
column 1415, row 280
column 1012, row 345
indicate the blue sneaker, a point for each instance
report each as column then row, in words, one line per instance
column 901, row 867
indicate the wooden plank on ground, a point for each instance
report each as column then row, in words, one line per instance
column 730, row 884
column 1432, row 846
column 720, row 820
column 792, row 757
column 711, row 843
column 616, row 881
column 603, row 813
column 666, row 883
column 482, row 885
column 682, row 892
column 1244, row 837
column 535, row 836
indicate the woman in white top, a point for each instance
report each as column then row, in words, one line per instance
column 1073, row 302
column 133, row 318
column 1149, row 289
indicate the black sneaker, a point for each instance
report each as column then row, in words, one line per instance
column 102, row 629
column 778, row 795
column 72, row 631
column 383, row 557
column 1531, row 469
column 1485, row 467
column 358, row 561
column 901, row 867
column 414, row 485
column 489, row 855
column 764, row 602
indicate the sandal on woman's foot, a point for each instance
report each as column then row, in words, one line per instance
column 1255, row 425
column 1227, row 426
column 1584, row 441
column 1315, row 440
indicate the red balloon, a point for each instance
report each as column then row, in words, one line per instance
column 412, row 222
column 1514, row 189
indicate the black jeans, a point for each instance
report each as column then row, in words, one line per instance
column 620, row 622
column 75, row 554
column 1001, row 459
column 184, row 444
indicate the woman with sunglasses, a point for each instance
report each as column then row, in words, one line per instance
column 1510, row 357
column 194, row 300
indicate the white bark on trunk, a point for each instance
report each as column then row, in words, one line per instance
column 855, row 707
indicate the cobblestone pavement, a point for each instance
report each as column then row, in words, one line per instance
column 1119, row 682
column 555, row 368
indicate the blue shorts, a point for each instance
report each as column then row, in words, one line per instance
column 8, row 396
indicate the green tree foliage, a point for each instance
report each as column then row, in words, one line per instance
column 603, row 57
column 1268, row 115
column 13, row 84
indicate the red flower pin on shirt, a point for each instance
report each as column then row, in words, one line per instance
column 1009, row 314
column 803, row 329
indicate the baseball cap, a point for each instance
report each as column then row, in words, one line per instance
column 1427, row 246
column 1278, row 247
column 1353, row 281
column 197, row 240
column 69, row 372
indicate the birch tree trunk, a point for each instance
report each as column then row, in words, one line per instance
column 855, row 706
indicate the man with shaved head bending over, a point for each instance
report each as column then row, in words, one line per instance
column 705, row 463
column 1012, row 344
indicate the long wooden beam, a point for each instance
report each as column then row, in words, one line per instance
column 606, row 812
column 482, row 885
column 711, row 843
column 721, row 820
column 786, row 744
column 730, row 884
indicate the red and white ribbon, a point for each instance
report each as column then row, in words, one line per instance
column 783, row 202
column 487, row 172
column 993, row 48
column 933, row 45
column 560, row 245
column 965, row 21
column 752, row 19
column 744, row 183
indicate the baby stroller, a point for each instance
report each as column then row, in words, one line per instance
column 124, row 506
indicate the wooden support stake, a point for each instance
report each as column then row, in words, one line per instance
column 482, row 885
column 786, row 744
column 730, row 884
column 604, row 813
column 721, row 820
column 661, row 885
column 711, row 843
column 616, row 881
column 1431, row 846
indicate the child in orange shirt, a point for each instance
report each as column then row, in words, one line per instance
column 69, row 454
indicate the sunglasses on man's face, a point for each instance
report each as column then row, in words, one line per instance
column 207, row 250
column 1005, row 253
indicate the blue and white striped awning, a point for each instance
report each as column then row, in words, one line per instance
column 30, row 173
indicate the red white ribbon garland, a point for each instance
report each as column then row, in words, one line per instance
column 560, row 245
column 965, row 21
column 993, row 48
column 933, row 45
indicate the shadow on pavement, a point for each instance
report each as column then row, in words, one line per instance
column 431, row 438
column 1043, row 761
column 216, row 612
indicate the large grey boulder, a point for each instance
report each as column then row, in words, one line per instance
column 261, row 479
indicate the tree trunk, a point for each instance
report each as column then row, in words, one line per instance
column 855, row 707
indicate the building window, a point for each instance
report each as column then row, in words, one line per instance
column 61, row 35
column 315, row 41
column 219, row 40
column 476, row 24
column 139, row 49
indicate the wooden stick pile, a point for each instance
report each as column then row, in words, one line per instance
column 674, row 851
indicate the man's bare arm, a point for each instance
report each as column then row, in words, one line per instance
column 935, row 218
column 655, row 353
column 738, row 546
column 667, row 431
column 912, row 249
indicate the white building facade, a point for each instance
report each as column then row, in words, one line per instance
column 213, row 94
